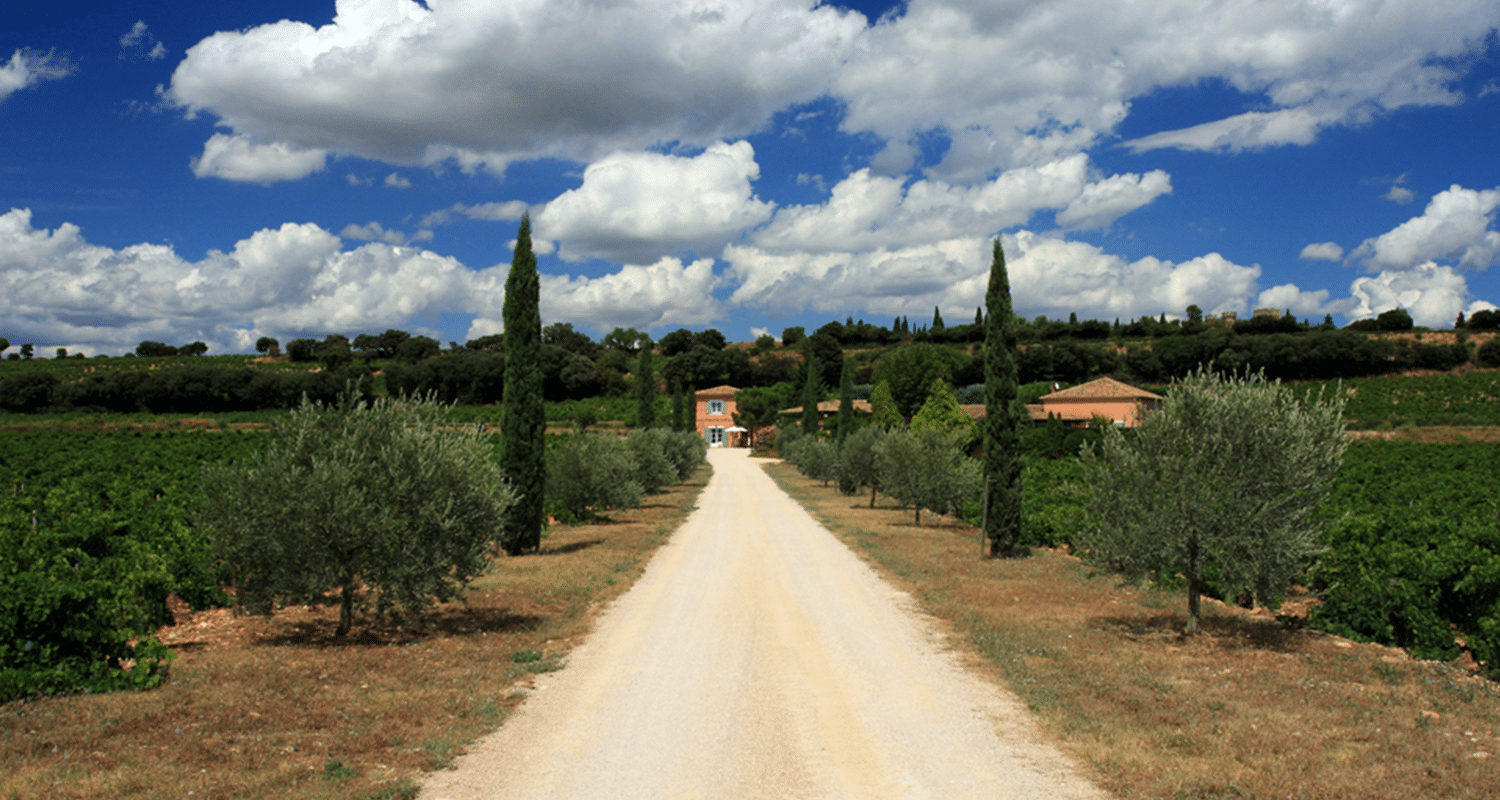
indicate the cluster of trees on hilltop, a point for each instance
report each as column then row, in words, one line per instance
column 574, row 367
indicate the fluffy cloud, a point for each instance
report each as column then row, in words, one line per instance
column 1048, row 274
column 1432, row 294
column 1008, row 85
column 57, row 289
column 237, row 158
column 28, row 67
column 667, row 292
column 1322, row 251
column 1103, row 202
column 866, row 210
column 1304, row 304
column 1016, row 84
column 1454, row 226
column 396, row 181
column 641, row 206
column 487, row 83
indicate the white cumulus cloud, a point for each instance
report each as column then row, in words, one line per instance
column 1432, row 294
column 1049, row 275
column 488, row 83
column 637, row 207
column 237, row 158
column 1322, row 251
column 1455, row 226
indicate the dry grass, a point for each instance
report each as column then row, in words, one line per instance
column 278, row 708
column 1250, row 709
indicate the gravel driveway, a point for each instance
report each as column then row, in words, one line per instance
column 758, row 658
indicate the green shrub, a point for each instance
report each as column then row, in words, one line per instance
column 81, row 595
column 590, row 472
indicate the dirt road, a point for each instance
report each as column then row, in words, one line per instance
column 758, row 658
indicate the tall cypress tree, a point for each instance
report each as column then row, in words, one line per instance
column 1003, row 415
column 679, row 407
column 523, row 422
column 937, row 319
column 846, row 401
column 812, row 390
column 645, row 389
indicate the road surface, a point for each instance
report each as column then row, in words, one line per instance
column 757, row 657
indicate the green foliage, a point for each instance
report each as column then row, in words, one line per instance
column 884, row 413
column 812, row 394
column 1229, row 472
column 1488, row 354
column 858, row 466
column 911, row 370
column 1413, row 554
column 591, row 472
column 645, row 389
column 523, row 427
column 1004, row 415
column 653, row 469
column 927, row 469
column 1472, row 399
column 82, row 592
column 378, row 494
column 941, row 412
column 846, row 401
column 813, row 456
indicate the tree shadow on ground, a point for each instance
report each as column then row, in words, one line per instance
column 570, row 547
column 453, row 621
column 1225, row 630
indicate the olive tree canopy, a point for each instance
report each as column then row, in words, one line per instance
column 1230, row 471
column 386, row 495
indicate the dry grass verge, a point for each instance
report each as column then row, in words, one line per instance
column 278, row 708
column 1249, row 709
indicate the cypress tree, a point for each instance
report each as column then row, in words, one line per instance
column 846, row 401
column 1004, row 415
column 523, row 423
column 937, row 319
column 645, row 389
column 679, row 407
column 812, row 389
column 978, row 317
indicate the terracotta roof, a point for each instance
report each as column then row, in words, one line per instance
column 1037, row 413
column 832, row 407
column 716, row 391
column 1101, row 389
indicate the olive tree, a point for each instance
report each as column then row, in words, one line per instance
column 927, row 468
column 1230, row 472
column 386, row 495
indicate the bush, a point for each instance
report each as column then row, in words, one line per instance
column 927, row 469
column 653, row 469
column 80, row 598
column 813, row 456
column 382, row 494
column 1489, row 353
column 590, row 472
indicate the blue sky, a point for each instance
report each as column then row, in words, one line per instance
column 221, row 172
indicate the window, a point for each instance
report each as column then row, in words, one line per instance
column 715, row 408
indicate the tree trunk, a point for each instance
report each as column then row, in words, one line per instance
column 873, row 492
column 1194, row 586
column 346, row 607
